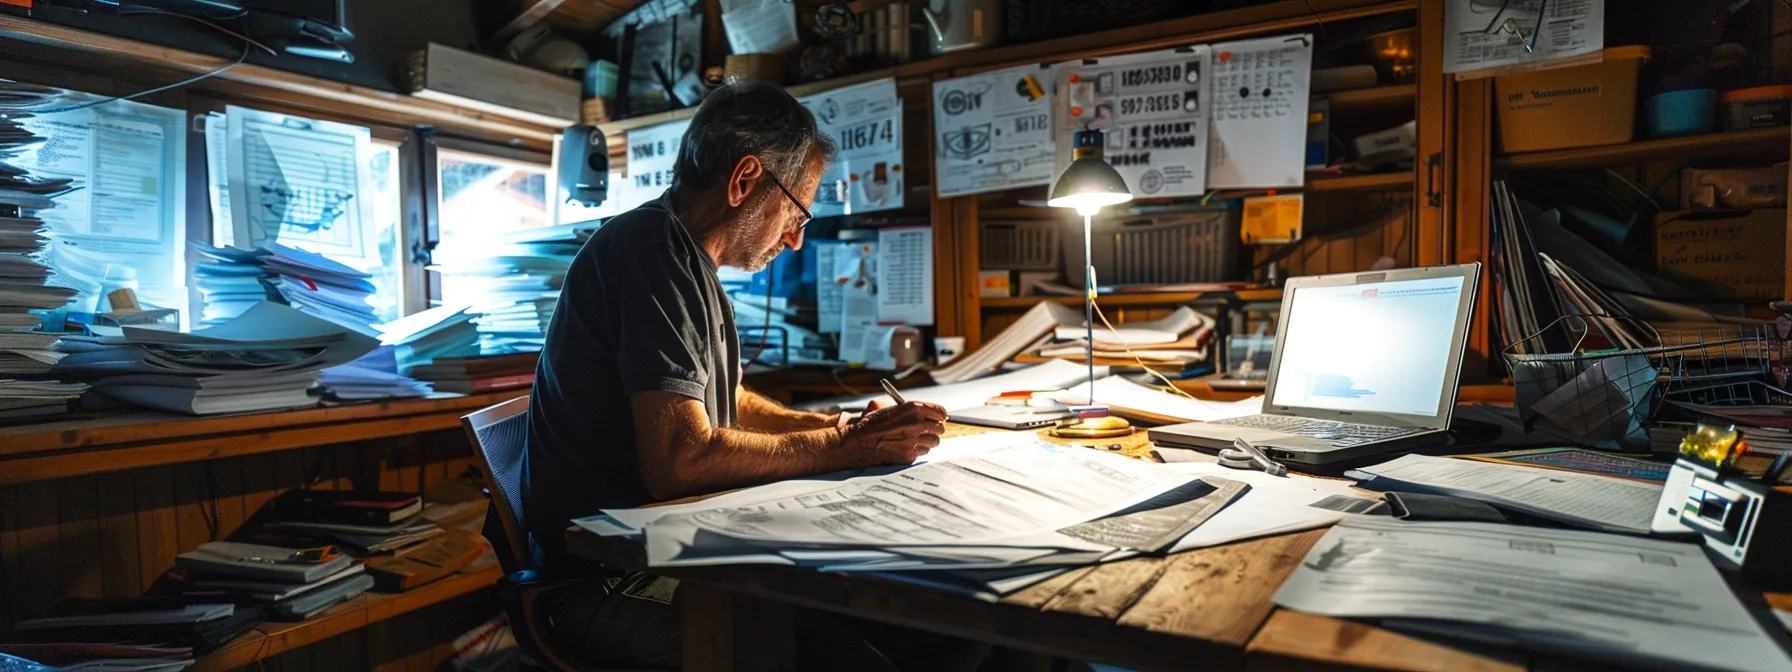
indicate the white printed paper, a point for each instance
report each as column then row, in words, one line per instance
column 1260, row 95
column 121, row 226
column 858, row 302
column 652, row 151
column 759, row 26
column 993, row 131
column 1483, row 37
column 905, row 276
column 299, row 182
column 830, row 286
column 865, row 121
column 217, row 176
column 1152, row 110
column 1659, row 604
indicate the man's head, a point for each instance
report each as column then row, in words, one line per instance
column 753, row 157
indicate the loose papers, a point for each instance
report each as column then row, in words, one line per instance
column 1151, row 109
column 1598, row 502
column 1564, row 590
column 994, row 509
column 905, row 275
column 995, row 131
column 298, row 181
column 1260, row 92
column 1126, row 398
column 865, row 120
column 1483, row 38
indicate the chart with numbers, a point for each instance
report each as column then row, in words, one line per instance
column 865, row 120
column 1259, row 129
column 905, row 275
column 1151, row 109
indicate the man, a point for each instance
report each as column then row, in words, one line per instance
column 637, row 396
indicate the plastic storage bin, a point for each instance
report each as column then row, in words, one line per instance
column 1580, row 106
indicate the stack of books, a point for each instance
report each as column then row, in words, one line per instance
column 103, row 657
column 286, row 584
column 368, row 522
column 159, row 629
column 1177, row 342
column 512, row 282
column 267, row 358
column 472, row 375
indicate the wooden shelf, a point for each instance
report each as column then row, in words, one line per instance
column 1401, row 95
column 1372, row 182
column 255, row 81
column 130, row 441
column 272, row 639
column 1139, row 299
column 1766, row 143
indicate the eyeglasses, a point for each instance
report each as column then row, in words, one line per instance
column 799, row 204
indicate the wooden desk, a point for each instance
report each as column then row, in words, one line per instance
column 1207, row 607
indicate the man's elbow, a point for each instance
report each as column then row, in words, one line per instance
column 665, row 483
column 670, row 472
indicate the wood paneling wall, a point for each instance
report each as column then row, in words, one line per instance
column 1334, row 214
column 113, row 534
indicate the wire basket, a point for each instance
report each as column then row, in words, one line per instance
column 1601, row 398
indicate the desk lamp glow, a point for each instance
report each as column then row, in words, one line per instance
column 1089, row 185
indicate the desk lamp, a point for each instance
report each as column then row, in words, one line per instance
column 1089, row 185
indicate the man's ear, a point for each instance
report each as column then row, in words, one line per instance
column 747, row 173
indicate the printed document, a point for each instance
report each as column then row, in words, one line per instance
column 1598, row 502
column 1123, row 396
column 905, row 275
column 1483, row 38
column 1011, row 498
column 1272, row 505
column 300, row 182
column 994, row 131
column 1260, row 91
column 1571, row 591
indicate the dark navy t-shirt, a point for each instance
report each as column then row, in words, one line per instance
column 641, row 310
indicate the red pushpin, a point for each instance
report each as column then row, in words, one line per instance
column 1225, row 56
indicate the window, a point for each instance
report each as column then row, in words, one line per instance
column 320, row 186
column 482, row 198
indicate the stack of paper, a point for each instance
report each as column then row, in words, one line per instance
column 229, row 280
column 419, row 338
column 373, row 376
column 135, row 628
column 512, row 281
column 86, row 657
column 1132, row 400
column 24, row 276
column 20, row 399
column 267, row 358
column 1177, row 341
column 318, row 286
column 1587, row 500
column 1046, row 376
column 1017, row 502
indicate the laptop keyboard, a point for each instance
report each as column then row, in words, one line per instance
column 1339, row 433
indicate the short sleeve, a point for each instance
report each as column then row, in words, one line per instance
column 664, row 327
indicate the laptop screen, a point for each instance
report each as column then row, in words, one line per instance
column 1379, row 347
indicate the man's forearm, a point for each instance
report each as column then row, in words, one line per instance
column 756, row 412
column 680, row 454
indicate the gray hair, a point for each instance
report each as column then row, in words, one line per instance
column 740, row 120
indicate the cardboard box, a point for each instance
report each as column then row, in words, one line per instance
column 1741, row 251
column 994, row 283
column 1707, row 189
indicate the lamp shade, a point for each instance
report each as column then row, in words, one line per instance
column 1089, row 184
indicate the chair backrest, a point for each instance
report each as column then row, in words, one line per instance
column 498, row 434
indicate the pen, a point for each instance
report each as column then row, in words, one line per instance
column 890, row 388
column 1270, row 467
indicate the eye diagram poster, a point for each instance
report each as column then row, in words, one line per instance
column 865, row 120
column 1152, row 111
column 1260, row 90
column 995, row 131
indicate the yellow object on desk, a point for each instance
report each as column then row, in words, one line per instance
column 1105, row 427
column 1713, row 445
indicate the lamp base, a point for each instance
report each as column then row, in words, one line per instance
column 1094, row 428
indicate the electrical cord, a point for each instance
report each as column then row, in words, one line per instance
column 1136, row 357
column 208, row 74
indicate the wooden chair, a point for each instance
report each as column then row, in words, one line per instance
column 498, row 435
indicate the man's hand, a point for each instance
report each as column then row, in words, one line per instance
column 897, row 434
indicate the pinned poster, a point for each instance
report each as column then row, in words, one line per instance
column 300, row 182
column 1152, row 111
column 994, row 131
column 1260, row 90
column 865, row 121
column 905, row 275
column 651, row 153
column 1483, row 38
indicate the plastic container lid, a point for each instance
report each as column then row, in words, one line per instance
column 1758, row 93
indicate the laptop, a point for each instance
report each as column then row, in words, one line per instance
column 1364, row 364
